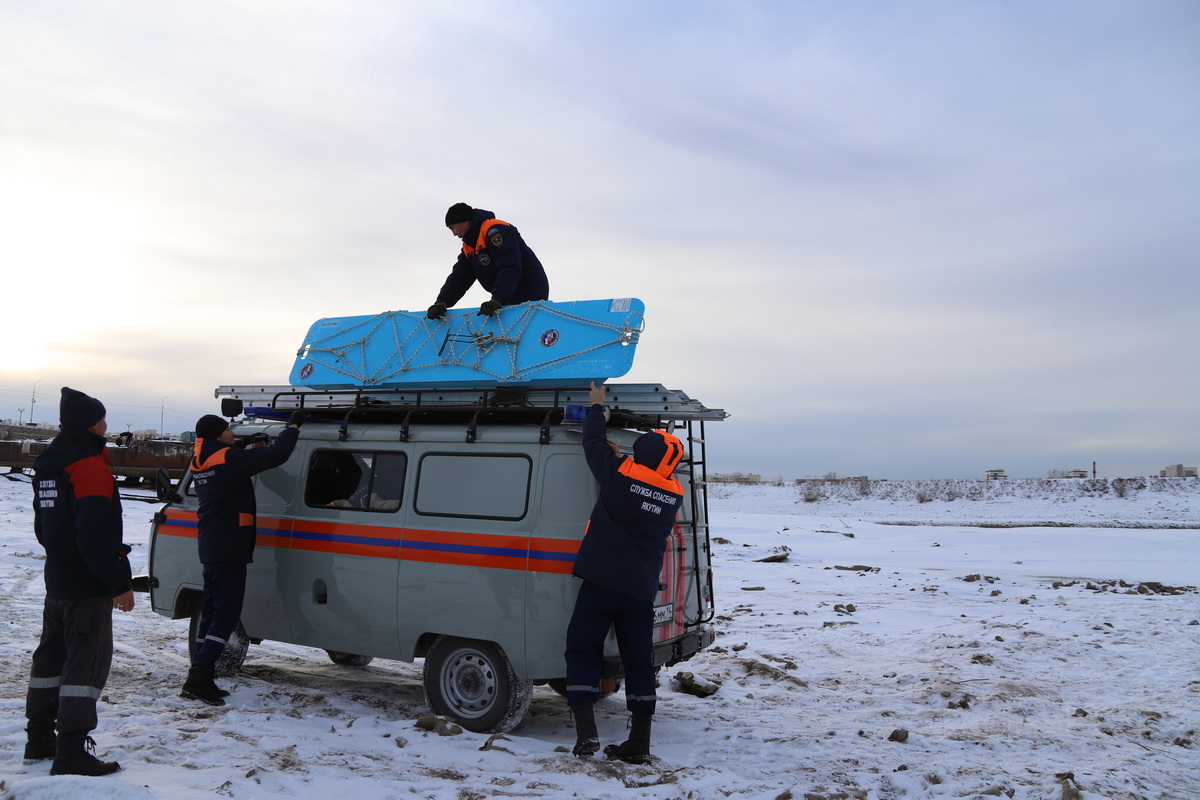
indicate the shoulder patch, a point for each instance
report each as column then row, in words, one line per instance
column 494, row 238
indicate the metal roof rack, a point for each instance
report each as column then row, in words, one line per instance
column 635, row 404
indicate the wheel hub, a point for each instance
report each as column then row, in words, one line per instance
column 470, row 683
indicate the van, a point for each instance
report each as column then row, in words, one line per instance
column 439, row 526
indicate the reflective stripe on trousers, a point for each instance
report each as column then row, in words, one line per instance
column 71, row 663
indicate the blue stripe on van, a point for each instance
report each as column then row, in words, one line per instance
column 341, row 537
column 550, row 555
column 465, row 548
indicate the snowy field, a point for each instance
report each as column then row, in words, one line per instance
column 929, row 659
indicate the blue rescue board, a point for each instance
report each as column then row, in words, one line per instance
column 529, row 344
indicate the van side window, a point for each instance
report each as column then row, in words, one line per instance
column 473, row 485
column 354, row 480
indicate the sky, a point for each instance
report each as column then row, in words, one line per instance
column 902, row 240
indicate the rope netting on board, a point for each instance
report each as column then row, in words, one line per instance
column 427, row 344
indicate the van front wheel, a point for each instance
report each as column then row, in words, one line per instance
column 473, row 682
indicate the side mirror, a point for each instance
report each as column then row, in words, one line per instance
column 163, row 489
column 231, row 406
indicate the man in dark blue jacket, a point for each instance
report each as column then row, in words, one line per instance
column 221, row 476
column 494, row 254
column 620, row 559
column 77, row 518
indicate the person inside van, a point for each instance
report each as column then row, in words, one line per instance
column 619, row 560
column 333, row 478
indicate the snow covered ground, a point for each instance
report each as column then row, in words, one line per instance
column 930, row 659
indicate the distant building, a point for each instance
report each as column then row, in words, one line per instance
column 737, row 477
column 1178, row 471
column 1077, row 473
column 835, row 479
column 996, row 475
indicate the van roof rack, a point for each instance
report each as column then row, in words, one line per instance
column 635, row 404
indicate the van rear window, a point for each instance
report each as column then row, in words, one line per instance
column 360, row 481
column 473, row 485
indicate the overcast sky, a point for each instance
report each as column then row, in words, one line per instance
column 917, row 239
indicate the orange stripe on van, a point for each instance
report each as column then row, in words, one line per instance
column 491, row 551
column 179, row 523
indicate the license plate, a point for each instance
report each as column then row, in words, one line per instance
column 664, row 614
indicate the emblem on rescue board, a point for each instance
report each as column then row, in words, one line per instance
column 549, row 338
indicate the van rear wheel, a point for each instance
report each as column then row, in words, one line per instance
column 232, row 656
column 473, row 682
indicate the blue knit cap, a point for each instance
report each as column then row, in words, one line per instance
column 77, row 410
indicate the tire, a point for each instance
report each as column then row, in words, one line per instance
column 473, row 682
column 232, row 656
column 349, row 659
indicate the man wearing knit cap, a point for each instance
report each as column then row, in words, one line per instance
column 494, row 254
column 221, row 476
column 77, row 519
column 619, row 560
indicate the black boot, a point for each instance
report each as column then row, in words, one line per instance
column 74, row 756
column 587, row 740
column 635, row 749
column 41, row 741
column 199, row 686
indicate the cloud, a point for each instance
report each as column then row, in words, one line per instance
column 906, row 237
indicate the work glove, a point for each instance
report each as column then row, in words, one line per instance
column 253, row 440
column 436, row 311
column 297, row 418
column 489, row 307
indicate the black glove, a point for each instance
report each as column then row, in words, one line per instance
column 297, row 418
column 489, row 307
column 436, row 311
column 253, row 440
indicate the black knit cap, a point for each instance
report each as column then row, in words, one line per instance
column 459, row 212
column 210, row 426
column 77, row 410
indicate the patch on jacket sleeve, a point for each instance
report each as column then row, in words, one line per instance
column 494, row 238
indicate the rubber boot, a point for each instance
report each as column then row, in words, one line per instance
column 40, row 744
column 74, row 756
column 635, row 749
column 200, row 686
column 587, row 739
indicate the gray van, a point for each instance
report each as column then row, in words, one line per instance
column 439, row 525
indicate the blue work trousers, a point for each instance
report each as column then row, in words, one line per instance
column 224, row 592
column 596, row 610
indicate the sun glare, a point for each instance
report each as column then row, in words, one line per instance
column 62, row 249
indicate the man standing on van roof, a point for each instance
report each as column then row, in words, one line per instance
column 77, row 518
column 221, row 476
column 620, row 560
column 494, row 254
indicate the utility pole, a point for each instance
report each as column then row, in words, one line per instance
column 162, row 408
column 21, row 418
column 33, row 400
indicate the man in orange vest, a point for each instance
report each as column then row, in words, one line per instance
column 494, row 254
column 619, row 560
column 225, row 535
